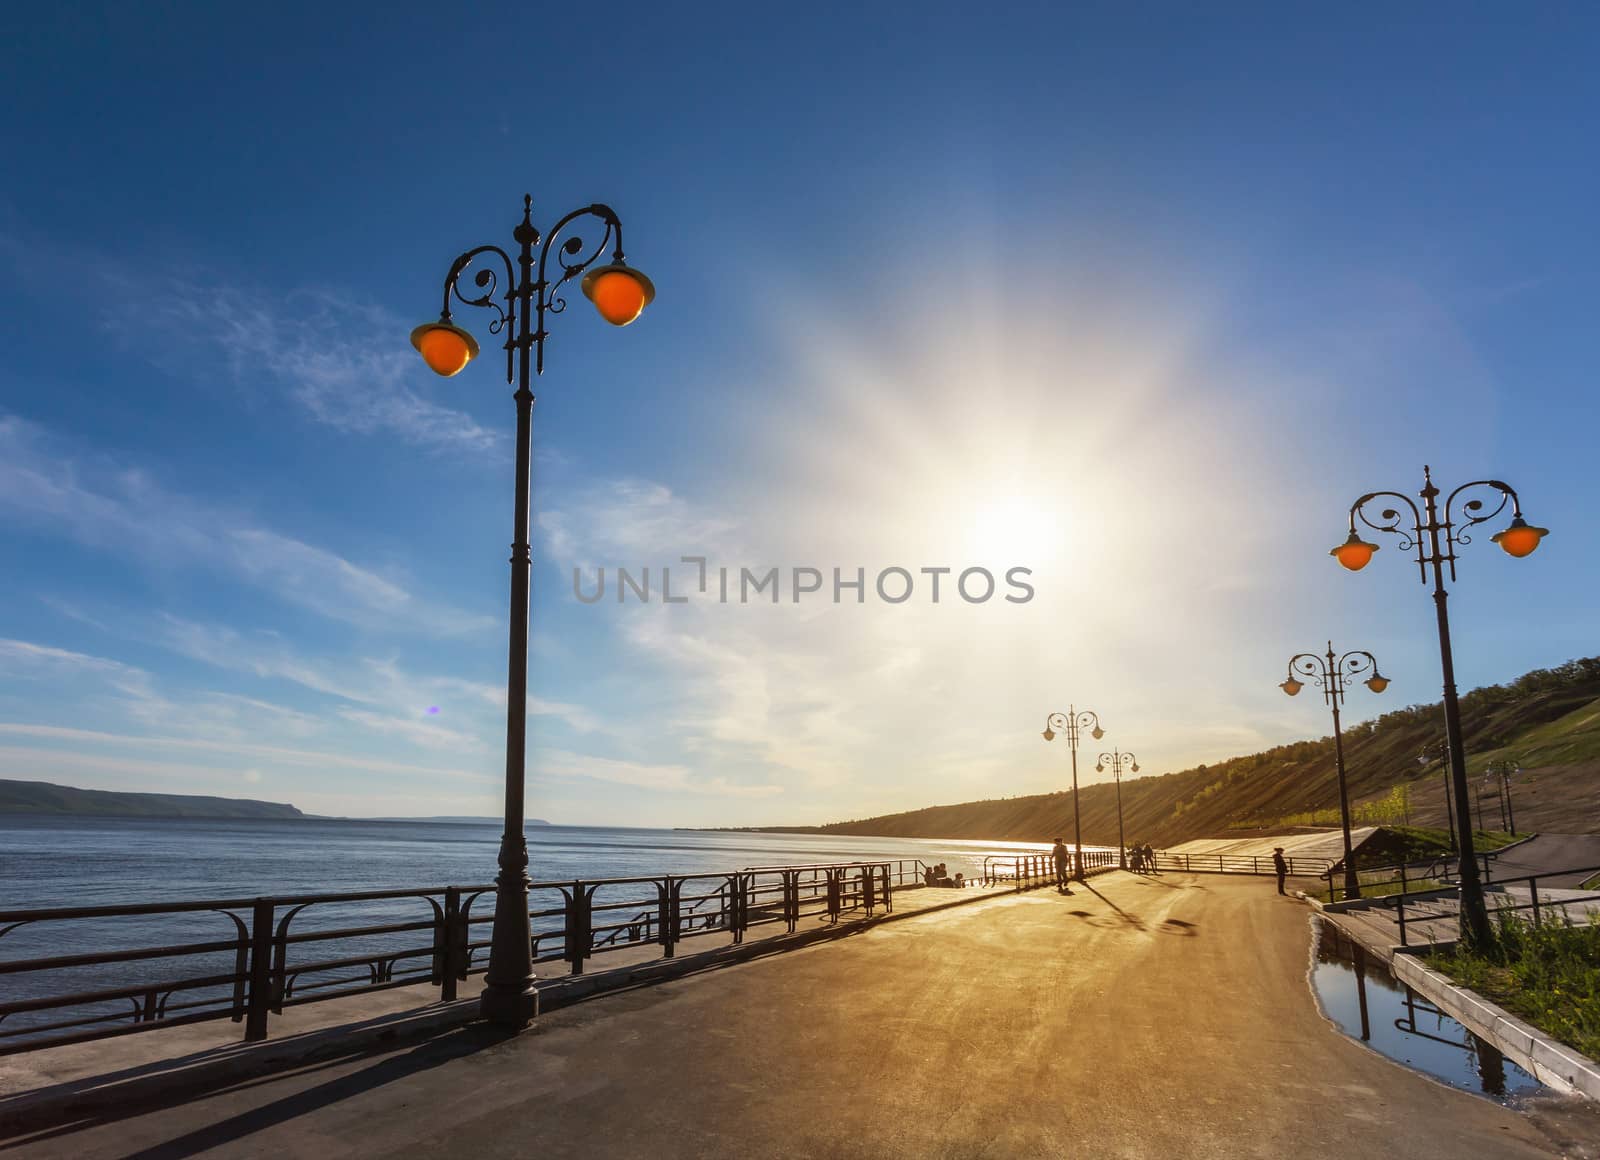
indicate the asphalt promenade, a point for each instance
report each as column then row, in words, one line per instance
column 1166, row 1017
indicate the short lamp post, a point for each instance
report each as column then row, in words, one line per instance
column 1505, row 771
column 1440, row 751
column 1072, row 723
column 1118, row 761
column 1333, row 674
column 1433, row 533
column 530, row 290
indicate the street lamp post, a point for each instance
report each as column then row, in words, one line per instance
column 1117, row 759
column 1434, row 535
column 1333, row 675
column 1440, row 751
column 1072, row 723
column 1506, row 769
column 531, row 290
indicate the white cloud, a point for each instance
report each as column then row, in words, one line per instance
column 121, row 510
column 346, row 364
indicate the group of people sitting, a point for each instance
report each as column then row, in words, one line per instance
column 940, row 876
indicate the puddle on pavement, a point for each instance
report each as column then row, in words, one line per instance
column 1368, row 1003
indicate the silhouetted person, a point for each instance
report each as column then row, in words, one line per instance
column 1063, row 863
column 1150, row 858
column 1280, row 866
column 1136, row 860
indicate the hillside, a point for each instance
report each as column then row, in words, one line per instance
column 39, row 797
column 1549, row 720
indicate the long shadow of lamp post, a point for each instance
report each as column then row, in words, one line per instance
column 1072, row 723
column 1435, row 539
column 530, row 290
column 1333, row 675
column 1117, row 760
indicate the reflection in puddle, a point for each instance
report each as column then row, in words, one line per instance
column 1368, row 1003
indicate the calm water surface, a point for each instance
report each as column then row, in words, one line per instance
column 78, row 861
column 48, row 862
column 1368, row 1003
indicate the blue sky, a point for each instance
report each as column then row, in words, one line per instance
column 1137, row 298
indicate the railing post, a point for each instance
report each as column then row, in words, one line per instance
column 258, row 1001
column 577, row 933
column 450, row 965
column 869, row 888
column 791, row 899
column 739, row 906
column 833, row 895
column 888, row 893
column 1533, row 888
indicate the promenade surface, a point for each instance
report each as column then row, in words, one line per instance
column 1167, row 1017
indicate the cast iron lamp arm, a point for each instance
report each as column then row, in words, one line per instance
column 1389, row 521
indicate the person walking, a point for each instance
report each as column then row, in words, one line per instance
column 1279, row 865
column 1063, row 861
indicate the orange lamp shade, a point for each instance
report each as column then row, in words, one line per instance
column 445, row 347
column 1355, row 553
column 1377, row 682
column 1049, row 734
column 620, row 293
column 1292, row 687
column 1520, row 539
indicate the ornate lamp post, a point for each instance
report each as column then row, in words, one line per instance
column 531, row 290
column 1117, row 759
column 1072, row 723
column 1434, row 535
column 1333, row 676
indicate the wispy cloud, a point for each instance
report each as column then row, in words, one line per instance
column 53, row 487
column 667, row 778
column 344, row 362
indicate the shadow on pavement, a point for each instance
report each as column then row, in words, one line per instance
column 432, row 1053
column 1132, row 920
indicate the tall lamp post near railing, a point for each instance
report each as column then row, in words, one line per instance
column 1117, row 760
column 531, row 290
column 1434, row 535
column 1333, row 675
column 1072, row 723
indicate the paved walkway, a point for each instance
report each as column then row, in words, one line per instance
column 1164, row 1016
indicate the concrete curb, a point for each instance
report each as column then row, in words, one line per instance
column 212, row 1070
column 1553, row 1064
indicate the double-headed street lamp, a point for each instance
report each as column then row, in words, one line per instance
column 531, row 290
column 1073, row 722
column 1333, row 675
column 1117, row 759
column 1434, row 535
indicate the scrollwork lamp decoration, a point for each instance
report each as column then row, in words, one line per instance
column 530, row 290
column 1118, row 761
column 1072, row 724
column 1434, row 533
column 1333, row 674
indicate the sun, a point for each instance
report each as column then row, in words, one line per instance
column 1012, row 530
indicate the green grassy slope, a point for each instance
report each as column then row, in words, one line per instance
column 1548, row 719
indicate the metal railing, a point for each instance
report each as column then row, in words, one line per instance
column 245, row 959
column 1026, row 871
column 1239, row 864
column 1382, row 881
column 1500, row 900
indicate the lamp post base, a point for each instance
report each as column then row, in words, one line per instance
column 509, row 1007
